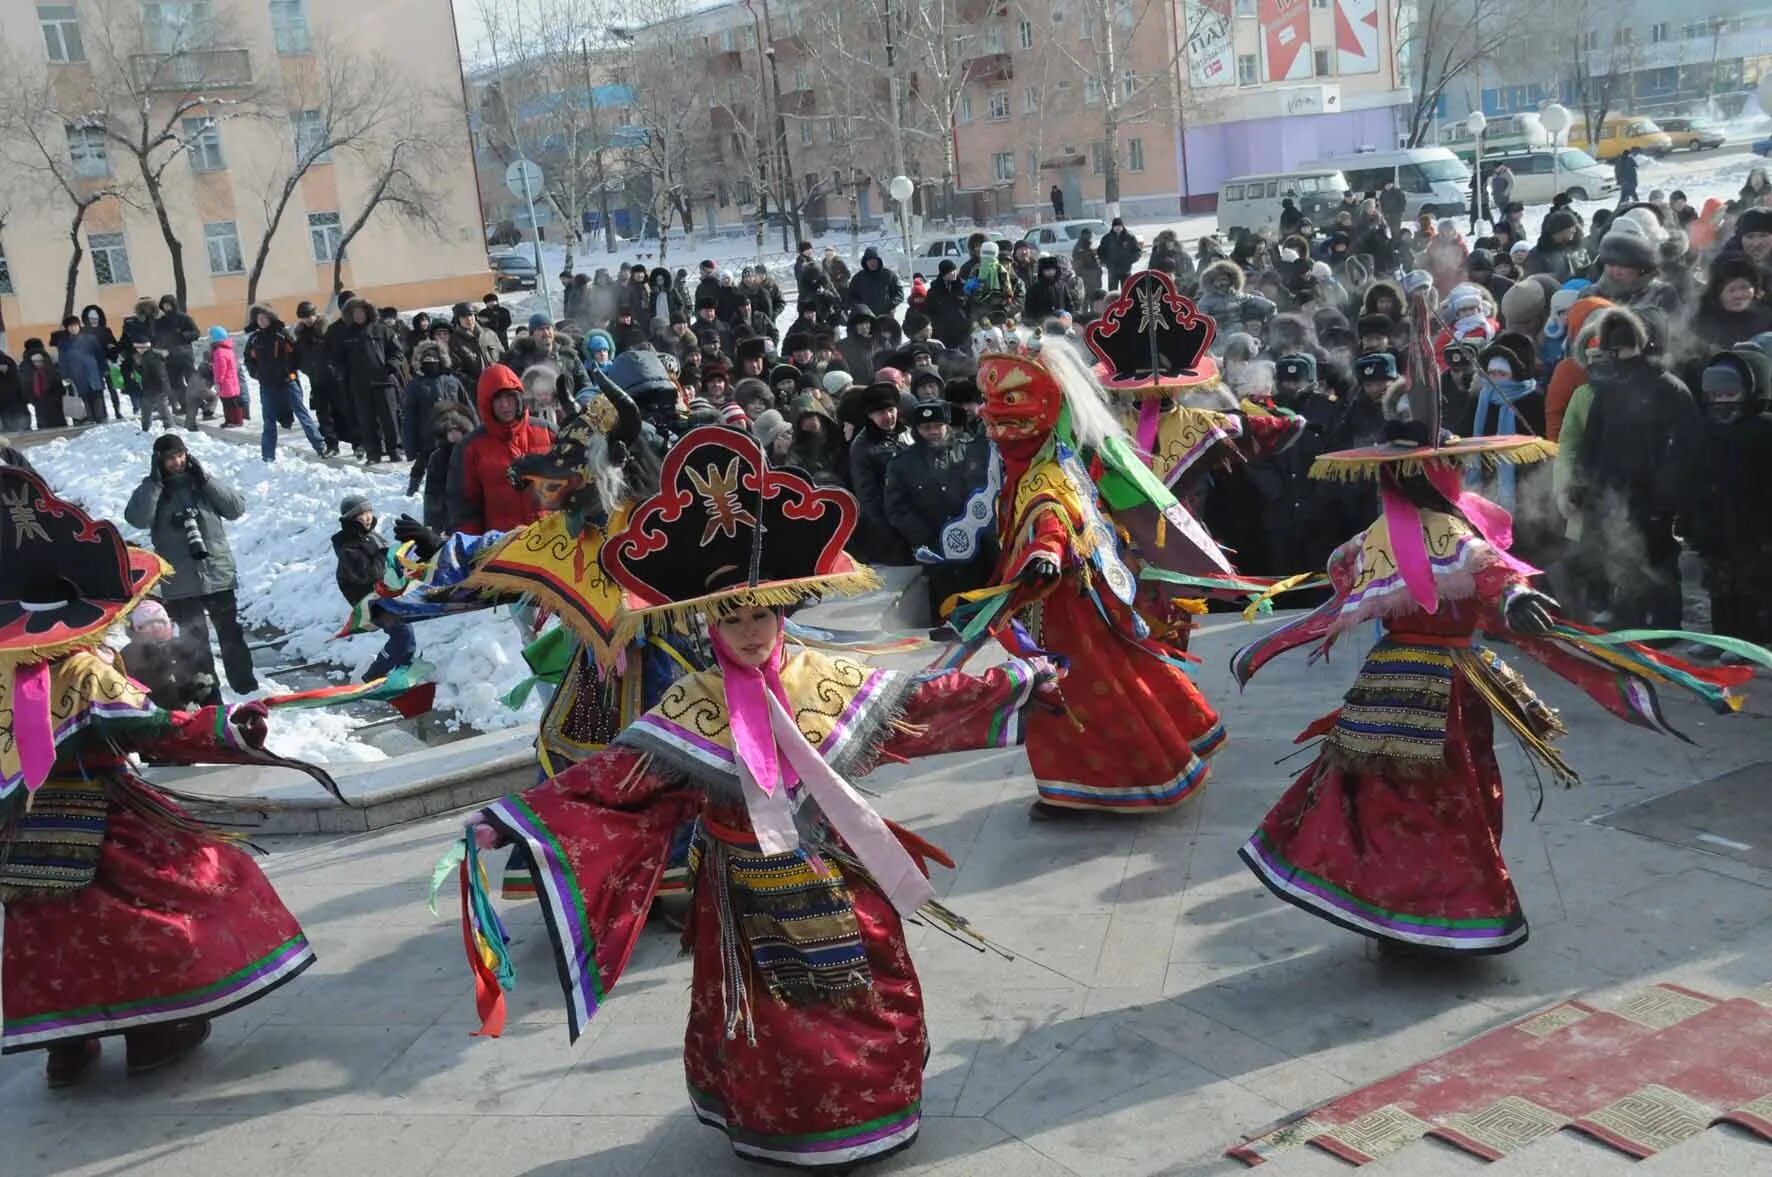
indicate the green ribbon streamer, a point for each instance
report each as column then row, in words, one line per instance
column 1742, row 649
column 439, row 873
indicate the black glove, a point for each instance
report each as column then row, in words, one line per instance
column 1041, row 571
column 1530, row 614
column 198, row 478
column 425, row 542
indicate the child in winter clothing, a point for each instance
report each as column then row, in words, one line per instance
column 448, row 427
column 175, row 681
column 362, row 555
column 154, row 387
column 227, row 376
column 425, row 395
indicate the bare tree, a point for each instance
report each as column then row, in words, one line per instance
column 408, row 160
column 34, row 153
column 1443, row 40
column 151, row 75
column 678, row 157
column 341, row 102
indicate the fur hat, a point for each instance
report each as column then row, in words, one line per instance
column 1626, row 248
column 1299, row 366
column 931, row 413
column 1617, row 326
column 1558, row 220
column 751, row 388
column 1754, row 220
column 880, row 395
column 430, row 349
column 1375, row 325
column 1376, row 365
column 1516, row 350
column 1524, row 307
column 835, row 382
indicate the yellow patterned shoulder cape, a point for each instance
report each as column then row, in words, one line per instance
column 563, row 570
column 84, row 688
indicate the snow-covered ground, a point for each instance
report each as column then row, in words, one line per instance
column 283, row 550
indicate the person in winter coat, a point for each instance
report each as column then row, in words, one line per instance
column 859, row 345
column 1299, row 516
column 1731, row 309
column 1393, row 202
column 372, row 361
column 271, row 360
column 183, row 507
column 426, row 394
column 1053, row 292
column 472, row 348
column 1445, row 256
column 1636, row 440
column 1629, row 262
column 1560, row 251
column 1727, row 483
column 1221, row 297
column 1624, row 170
column 880, row 440
column 809, row 279
column 874, row 286
column 450, row 426
column 1170, row 256
column 946, row 307
column 1501, row 189
column 94, row 324
column 1119, row 251
column 1086, row 265
column 481, row 496
column 226, row 368
column 496, row 318
column 1290, row 216
column 175, row 337
column 310, row 361
column 992, row 293
column 15, row 406
column 362, row 558
column 1479, row 270
column 928, row 484
column 818, row 447
column 82, row 362
column 545, row 346
column 153, row 388
column 156, row 660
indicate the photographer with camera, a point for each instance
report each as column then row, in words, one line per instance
column 183, row 509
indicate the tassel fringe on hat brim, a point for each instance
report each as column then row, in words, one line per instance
column 1490, row 452
column 683, row 616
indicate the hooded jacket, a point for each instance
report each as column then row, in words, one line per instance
column 481, row 497
column 371, row 351
column 426, row 394
column 874, row 286
column 447, row 417
column 1570, row 374
column 1221, row 294
column 12, row 393
column 155, row 507
column 225, row 367
column 361, row 556
column 270, row 352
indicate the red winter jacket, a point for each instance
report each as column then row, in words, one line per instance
column 481, row 497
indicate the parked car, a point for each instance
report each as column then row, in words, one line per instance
column 1538, row 176
column 1763, row 146
column 1252, row 203
column 1060, row 237
column 512, row 271
column 1700, row 134
column 927, row 258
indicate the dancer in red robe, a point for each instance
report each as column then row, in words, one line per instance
column 806, row 1039
column 123, row 914
column 1394, row 830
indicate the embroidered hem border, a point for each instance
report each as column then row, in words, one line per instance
column 563, row 910
column 1322, row 898
column 838, row 1146
column 239, row 988
column 1125, row 798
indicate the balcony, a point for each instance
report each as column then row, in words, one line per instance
column 990, row 67
column 971, row 12
column 191, row 71
column 798, row 101
column 727, row 117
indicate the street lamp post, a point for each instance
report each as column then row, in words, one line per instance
column 1476, row 124
column 901, row 190
column 1556, row 120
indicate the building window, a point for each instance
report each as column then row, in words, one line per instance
column 802, row 78
column 1324, row 68
column 222, row 240
column 203, row 141
column 999, row 108
column 1098, row 155
column 310, row 137
column 1123, row 11
column 289, row 27
column 1246, row 69
column 324, row 232
column 5, row 273
column 86, row 148
column 110, row 259
column 1086, row 25
column 993, row 39
column 1590, row 40
column 176, row 26
column 1092, row 90
column 726, row 41
column 1030, row 99
column 806, row 132
column 1246, row 8
column 1135, row 155
column 1025, row 34
column 1128, row 84
column 830, row 127
column 965, row 108
column 1003, row 165
column 61, row 33
column 1658, row 32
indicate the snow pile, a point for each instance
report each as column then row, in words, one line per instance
column 285, row 566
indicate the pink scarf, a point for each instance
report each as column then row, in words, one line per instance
column 1409, row 546
column 747, row 704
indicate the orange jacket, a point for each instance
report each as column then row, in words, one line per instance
column 1569, row 375
column 1702, row 234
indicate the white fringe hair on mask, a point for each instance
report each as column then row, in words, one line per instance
column 1092, row 416
column 611, row 484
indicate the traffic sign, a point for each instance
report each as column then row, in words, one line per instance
column 521, row 172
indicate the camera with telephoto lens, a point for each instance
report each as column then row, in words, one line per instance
column 187, row 519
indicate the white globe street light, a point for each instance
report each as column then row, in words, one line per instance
column 1556, row 120
column 1476, row 124
column 901, row 189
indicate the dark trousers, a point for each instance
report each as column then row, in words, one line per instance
column 181, row 371
column 95, row 405
column 416, row 479
column 156, row 404
column 193, row 615
column 378, row 429
column 400, row 650
column 325, row 409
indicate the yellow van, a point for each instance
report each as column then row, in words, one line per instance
column 1619, row 134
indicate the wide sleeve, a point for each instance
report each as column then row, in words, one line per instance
column 597, row 837
column 959, row 712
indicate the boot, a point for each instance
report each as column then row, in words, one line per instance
column 69, row 1062
column 159, row 1046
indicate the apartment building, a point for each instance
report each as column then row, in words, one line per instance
column 234, row 73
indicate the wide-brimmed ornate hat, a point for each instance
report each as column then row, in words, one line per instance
column 726, row 528
column 1152, row 340
column 1402, row 458
column 64, row 577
